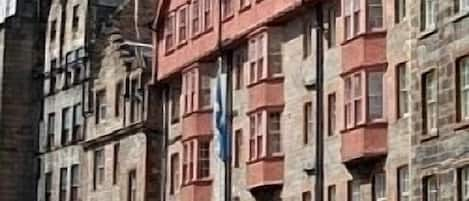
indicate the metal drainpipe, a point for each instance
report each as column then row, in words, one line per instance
column 319, row 186
column 165, row 141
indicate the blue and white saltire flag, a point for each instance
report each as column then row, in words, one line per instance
column 220, row 114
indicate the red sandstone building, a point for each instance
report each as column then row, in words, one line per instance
column 271, row 46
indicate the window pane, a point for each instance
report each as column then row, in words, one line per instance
column 375, row 14
column 403, row 176
column 375, row 95
column 380, row 186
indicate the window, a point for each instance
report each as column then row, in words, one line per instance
column 348, row 102
column 205, row 97
column 238, row 64
column 430, row 188
column 185, row 163
column 375, row 95
column 169, row 32
column 238, row 147
column 308, row 123
column 331, row 118
column 174, row 173
column 463, row 85
column 307, row 39
column 331, row 31
column 48, row 187
column 63, row 184
column 98, row 171
column 76, row 74
column 52, row 84
column 53, row 30
column 252, row 137
column 379, row 187
column 353, row 100
column 375, row 14
column 68, row 78
column 428, row 14
column 76, row 121
column 259, row 135
column 274, row 134
column 227, row 8
column 207, row 14
column 116, row 164
column 66, row 126
column 119, row 99
column 135, row 100
column 195, row 17
column 403, row 79
column 400, row 10
column 331, row 193
column 461, row 5
column 354, row 190
column 132, row 192
column 257, row 58
column 403, row 183
column 182, row 26
column 463, row 183
column 101, row 107
column 429, row 91
column 306, row 196
column 175, row 104
column 203, row 159
column 75, row 183
column 76, row 18
column 351, row 18
column 50, row 130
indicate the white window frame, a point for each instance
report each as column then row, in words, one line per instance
column 403, row 76
column 430, row 14
column 464, row 5
column 371, row 94
column 274, row 133
column 379, row 186
column 464, row 188
column 404, row 183
column 431, row 183
column 431, row 101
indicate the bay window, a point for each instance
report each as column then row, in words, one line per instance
column 258, row 64
column 375, row 14
column 363, row 99
column 196, row 89
column 196, row 159
column 351, row 18
column 274, row 133
column 375, row 95
column 463, row 88
column 265, row 140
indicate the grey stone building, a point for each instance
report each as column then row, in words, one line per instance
column 439, row 50
column 22, row 29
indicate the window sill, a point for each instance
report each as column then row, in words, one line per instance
column 372, row 124
column 198, row 111
column 426, row 33
column 202, row 181
column 459, row 16
column 273, row 78
column 227, row 18
column 244, row 8
column 169, row 51
column 363, row 34
column 275, row 157
column 182, row 43
column 424, row 137
column 462, row 125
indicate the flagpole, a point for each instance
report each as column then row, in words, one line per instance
column 319, row 185
column 229, row 121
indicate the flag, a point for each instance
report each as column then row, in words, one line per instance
column 220, row 114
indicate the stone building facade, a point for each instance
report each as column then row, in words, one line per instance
column 98, row 142
column 22, row 26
